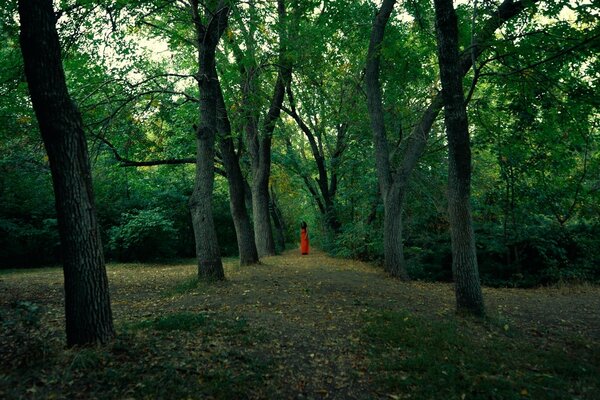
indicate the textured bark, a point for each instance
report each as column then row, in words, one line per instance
column 464, row 257
column 260, row 212
column 236, row 182
column 87, row 302
column 390, row 188
column 259, row 150
column 259, row 145
column 210, row 266
column 394, row 262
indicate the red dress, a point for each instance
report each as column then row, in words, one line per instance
column 303, row 241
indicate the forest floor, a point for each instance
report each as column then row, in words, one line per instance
column 298, row 327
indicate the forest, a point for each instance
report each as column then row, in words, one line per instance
column 452, row 148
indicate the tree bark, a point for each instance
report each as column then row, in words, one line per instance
column 259, row 144
column 87, row 301
column 464, row 257
column 390, row 189
column 210, row 267
column 235, row 179
column 394, row 262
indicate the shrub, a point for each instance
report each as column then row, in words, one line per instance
column 143, row 235
column 359, row 241
column 540, row 254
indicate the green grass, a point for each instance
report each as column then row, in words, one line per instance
column 461, row 358
column 185, row 286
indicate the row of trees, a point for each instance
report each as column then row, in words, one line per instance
column 332, row 87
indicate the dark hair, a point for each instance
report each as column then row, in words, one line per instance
column 303, row 225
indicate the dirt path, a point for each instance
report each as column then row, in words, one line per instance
column 311, row 309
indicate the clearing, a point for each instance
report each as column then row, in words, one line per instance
column 305, row 327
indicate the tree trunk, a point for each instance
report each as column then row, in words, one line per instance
column 210, row 266
column 235, row 179
column 259, row 148
column 87, row 301
column 278, row 222
column 464, row 257
column 390, row 190
column 394, row 263
column 260, row 212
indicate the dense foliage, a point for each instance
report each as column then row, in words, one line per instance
column 533, row 114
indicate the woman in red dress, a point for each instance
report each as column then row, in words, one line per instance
column 303, row 238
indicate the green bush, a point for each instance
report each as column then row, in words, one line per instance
column 143, row 235
column 534, row 255
column 540, row 255
column 358, row 241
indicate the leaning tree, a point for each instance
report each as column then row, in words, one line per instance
column 87, row 302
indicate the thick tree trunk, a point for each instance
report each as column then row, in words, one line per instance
column 243, row 225
column 464, row 257
column 210, row 266
column 87, row 302
column 237, row 198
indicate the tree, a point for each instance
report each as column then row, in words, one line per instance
column 467, row 287
column 87, row 302
column 394, row 177
column 208, row 32
column 391, row 190
column 237, row 185
column 259, row 137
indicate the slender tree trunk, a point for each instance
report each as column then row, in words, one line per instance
column 241, row 219
column 210, row 266
column 464, row 257
column 327, row 189
column 278, row 222
column 259, row 148
column 394, row 263
column 390, row 190
column 87, row 302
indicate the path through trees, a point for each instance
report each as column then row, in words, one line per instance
column 316, row 327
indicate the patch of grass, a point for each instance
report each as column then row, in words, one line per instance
column 431, row 359
column 25, row 270
column 184, row 287
column 184, row 321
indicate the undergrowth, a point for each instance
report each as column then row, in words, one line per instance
column 460, row 358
